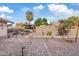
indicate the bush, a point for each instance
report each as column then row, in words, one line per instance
column 43, row 33
column 49, row 33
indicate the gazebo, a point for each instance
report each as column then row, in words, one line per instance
column 4, row 24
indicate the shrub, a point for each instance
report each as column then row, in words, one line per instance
column 49, row 33
column 43, row 33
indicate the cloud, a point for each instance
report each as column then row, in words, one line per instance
column 2, row 15
column 6, row 9
column 40, row 7
column 50, row 17
column 5, row 16
column 25, row 9
column 62, row 10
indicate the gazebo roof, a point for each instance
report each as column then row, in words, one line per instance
column 4, row 20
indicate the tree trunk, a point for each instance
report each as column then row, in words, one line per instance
column 29, row 22
column 76, row 35
column 29, row 25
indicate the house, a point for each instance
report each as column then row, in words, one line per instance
column 19, row 26
column 4, row 25
column 24, row 26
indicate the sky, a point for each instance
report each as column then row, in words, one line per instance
column 16, row 12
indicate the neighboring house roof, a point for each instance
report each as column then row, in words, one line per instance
column 4, row 20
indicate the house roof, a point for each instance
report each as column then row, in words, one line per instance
column 4, row 20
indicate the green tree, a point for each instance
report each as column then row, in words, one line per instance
column 75, row 21
column 40, row 22
column 68, row 24
column 62, row 28
column 29, row 16
column 44, row 21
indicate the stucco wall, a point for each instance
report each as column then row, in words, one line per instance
column 45, row 29
column 3, row 30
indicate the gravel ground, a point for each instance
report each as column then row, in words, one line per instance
column 38, row 47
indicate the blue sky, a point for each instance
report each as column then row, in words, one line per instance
column 53, row 12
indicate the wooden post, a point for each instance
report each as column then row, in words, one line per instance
column 23, row 51
column 76, row 35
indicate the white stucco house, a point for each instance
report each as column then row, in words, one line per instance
column 4, row 24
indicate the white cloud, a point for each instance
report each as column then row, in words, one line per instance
column 50, row 17
column 6, row 9
column 2, row 15
column 40, row 7
column 5, row 16
column 25, row 9
column 62, row 10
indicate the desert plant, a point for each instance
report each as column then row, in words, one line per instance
column 43, row 33
column 49, row 33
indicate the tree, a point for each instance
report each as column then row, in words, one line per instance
column 77, row 23
column 68, row 24
column 75, row 20
column 40, row 22
column 62, row 28
column 44, row 20
column 29, row 16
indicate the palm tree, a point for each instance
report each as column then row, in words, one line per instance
column 29, row 16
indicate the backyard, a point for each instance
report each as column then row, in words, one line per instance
column 38, row 47
column 39, row 29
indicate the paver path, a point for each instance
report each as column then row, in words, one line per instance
column 38, row 47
